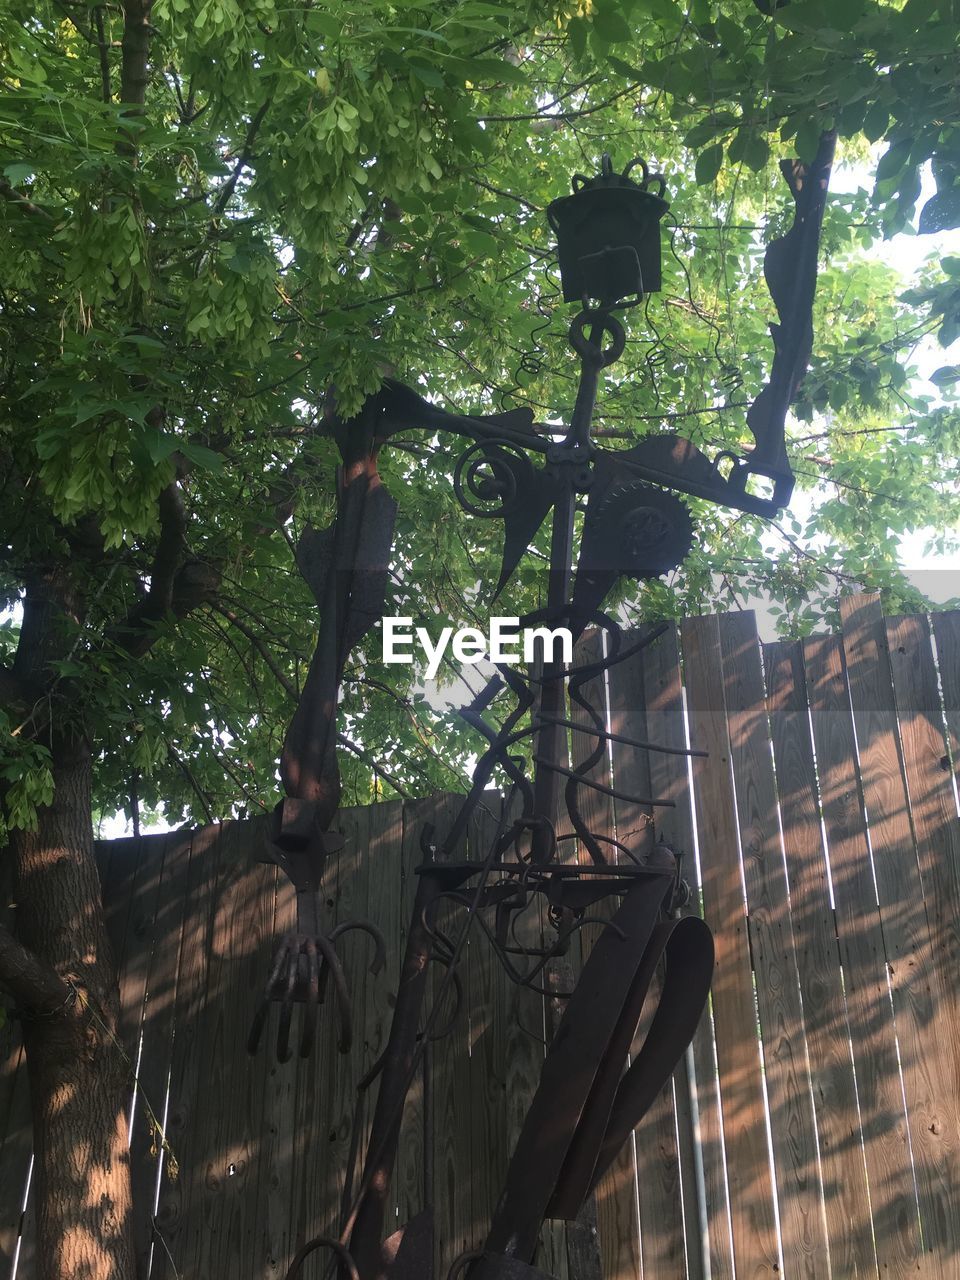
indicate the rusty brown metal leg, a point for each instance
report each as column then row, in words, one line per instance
column 366, row 1235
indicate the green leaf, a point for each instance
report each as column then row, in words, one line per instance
column 199, row 454
column 940, row 213
column 611, row 26
column 708, row 164
column 750, row 147
column 159, row 445
column 808, row 138
column 894, row 159
column 704, row 130
column 875, row 122
column 737, row 148
column 665, row 11
column 426, row 72
column 945, row 376
column 496, row 69
column 577, row 32
column 19, row 172
column 623, row 68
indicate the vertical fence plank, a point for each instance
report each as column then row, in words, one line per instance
column 752, row 1209
column 121, row 867
column 479, row 1042
column 933, row 812
column 314, row 1202
column 16, row 1129
column 946, row 630
column 846, row 1199
column 655, row 1140
column 190, row 1114
column 239, row 963
column 456, row 1140
column 214, row 1150
column 699, row 1143
column 16, row 1146
column 383, row 909
column 421, row 1171
column 911, row 961
column 408, row 1177
column 160, row 986
column 886, row 1148
column 616, row 1194
column 136, row 948
column 567, row 1248
column 792, row 1124
column 274, row 1230
column 631, row 767
column 327, row 1080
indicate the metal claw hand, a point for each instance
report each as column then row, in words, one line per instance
column 301, row 971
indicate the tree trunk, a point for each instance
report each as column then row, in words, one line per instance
column 79, row 1079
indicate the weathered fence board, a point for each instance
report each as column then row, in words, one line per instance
column 906, row 937
column 701, row 1178
column 655, row 1142
column 936, row 1124
column 803, row 1239
column 872, row 1030
column 813, row 1130
column 752, row 1209
column 616, row 1196
column 846, row 1201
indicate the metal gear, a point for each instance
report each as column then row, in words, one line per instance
column 643, row 531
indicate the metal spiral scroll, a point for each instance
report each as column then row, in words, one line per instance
column 491, row 477
column 509, row 735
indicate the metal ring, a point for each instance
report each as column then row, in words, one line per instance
column 458, row 1264
column 638, row 160
column 500, row 488
column 589, row 350
column 322, row 1242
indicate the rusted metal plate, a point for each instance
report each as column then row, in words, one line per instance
column 570, row 1069
column 496, row 1266
column 408, row 1253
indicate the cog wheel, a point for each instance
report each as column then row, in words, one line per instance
column 641, row 531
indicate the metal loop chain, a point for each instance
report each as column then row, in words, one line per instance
column 589, row 348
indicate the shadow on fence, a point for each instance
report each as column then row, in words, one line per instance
column 812, row 1130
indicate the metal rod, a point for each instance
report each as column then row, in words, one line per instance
column 628, row 742
column 598, row 786
column 579, row 434
column 367, row 1233
column 546, row 790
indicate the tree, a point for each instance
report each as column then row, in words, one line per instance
column 214, row 211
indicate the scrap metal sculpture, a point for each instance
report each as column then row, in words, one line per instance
column 586, row 1104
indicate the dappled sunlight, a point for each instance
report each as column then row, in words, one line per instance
column 813, row 1130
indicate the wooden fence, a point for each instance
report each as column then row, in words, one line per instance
column 812, row 1131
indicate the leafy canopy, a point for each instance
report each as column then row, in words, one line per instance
column 296, row 195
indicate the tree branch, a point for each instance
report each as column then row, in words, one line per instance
column 36, row 988
column 177, row 585
column 103, row 50
column 187, row 772
column 15, row 692
column 131, row 633
column 134, row 63
column 242, row 160
column 261, row 648
column 369, row 761
column 18, row 198
column 135, row 47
